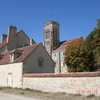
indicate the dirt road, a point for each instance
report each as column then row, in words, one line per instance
column 7, row 93
column 4, row 96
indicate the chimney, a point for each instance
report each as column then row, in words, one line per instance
column 4, row 36
column 32, row 41
column 11, row 32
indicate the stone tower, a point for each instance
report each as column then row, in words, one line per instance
column 51, row 36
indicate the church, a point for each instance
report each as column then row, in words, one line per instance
column 16, row 47
column 54, row 46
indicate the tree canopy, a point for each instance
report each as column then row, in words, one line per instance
column 78, row 57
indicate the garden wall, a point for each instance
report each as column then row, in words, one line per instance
column 71, row 83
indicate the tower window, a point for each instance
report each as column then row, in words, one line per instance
column 47, row 43
column 47, row 35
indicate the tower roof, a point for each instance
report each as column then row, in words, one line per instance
column 51, row 22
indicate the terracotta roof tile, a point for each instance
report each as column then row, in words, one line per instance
column 23, row 55
column 3, row 43
column 65, row 44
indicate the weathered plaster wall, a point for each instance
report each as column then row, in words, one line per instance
column 58, row 57
column 15, row 70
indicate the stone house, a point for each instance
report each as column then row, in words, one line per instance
column 20, row 55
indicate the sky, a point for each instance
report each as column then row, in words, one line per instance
column 76, row 17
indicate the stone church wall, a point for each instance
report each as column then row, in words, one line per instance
column 71, row 83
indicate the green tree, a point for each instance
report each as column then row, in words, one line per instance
column 93, row 41
column 93, row 35
column 78, row 57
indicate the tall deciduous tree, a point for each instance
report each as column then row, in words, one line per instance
column 93, row 41
column 78, row 58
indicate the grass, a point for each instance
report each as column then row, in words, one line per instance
column 90, row 96
column 36, row 91
column 27, row 89
column 21, row 93
column 1, row 88
column 32, row 90
column 8, row 87
column 77, row 94
column 61, row 92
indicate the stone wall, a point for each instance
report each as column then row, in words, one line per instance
column 71, row 83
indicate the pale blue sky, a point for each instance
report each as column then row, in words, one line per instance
column 76, row 17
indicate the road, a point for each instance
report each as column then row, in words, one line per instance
column 4, row 96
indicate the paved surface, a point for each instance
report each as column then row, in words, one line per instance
column 4, row 96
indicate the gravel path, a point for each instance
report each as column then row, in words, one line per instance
column 4, row 96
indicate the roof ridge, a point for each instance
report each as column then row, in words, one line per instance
column 20, row 48
column 65, row 43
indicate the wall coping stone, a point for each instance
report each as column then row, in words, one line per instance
column 79, row 74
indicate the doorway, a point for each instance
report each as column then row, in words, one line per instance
column 10, row 80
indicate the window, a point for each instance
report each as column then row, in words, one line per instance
column 15, row 55
column 40, row 61
column 47, row 43
column 47, row 35
column 11, row 57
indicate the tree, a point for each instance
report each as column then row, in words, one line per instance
column 94, row 34
column 78, row 57
column 96, row 51
column 93, row 41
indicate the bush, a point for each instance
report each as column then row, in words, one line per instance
column 90, row 96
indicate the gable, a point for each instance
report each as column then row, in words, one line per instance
column 39, row 61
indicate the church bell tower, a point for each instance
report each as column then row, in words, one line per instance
column 51, row 36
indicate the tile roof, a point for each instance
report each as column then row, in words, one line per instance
column 25, row 52
column 3, row 43
column 65, row 44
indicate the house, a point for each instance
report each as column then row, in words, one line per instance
column 14, row 39
column 21, row 55
column 54, row 46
